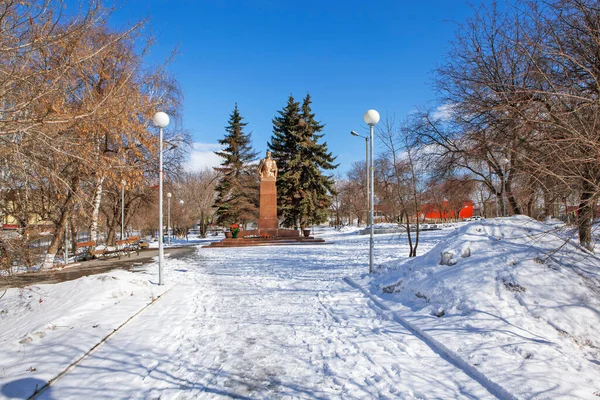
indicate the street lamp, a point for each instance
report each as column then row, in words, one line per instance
column 169, row 216
column 160, row 120
column 123, row 183
column 371, row 118
column 184, row 219
column 504, row 165
column 353, row 133
column 67, row 242
column 496, row 191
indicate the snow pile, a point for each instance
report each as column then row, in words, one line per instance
column 511, row 296
column 327, row 231
column 44, row 328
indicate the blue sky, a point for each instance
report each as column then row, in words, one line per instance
column 349, row 55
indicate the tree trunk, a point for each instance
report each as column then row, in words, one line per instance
column 530, row 207
column 96, row 210
column 548, row 204
column 584, row 216
column 413, row 252
column 203, row 225
column 111, row 237
column 112, row 230
column 408, row 234
column 59, row 231
column 511, row 198
column 73, row 237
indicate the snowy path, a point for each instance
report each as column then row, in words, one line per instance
column 266, row 323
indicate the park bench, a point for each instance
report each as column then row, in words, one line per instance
column 88, row 249
column 122, row 247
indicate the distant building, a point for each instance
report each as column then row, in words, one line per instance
column 432, row 211
column 9, row 210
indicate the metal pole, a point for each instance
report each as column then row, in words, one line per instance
column 367, row 172
column 185, row 224
column 169, row 219
column 496, row 191
column 67, row 243
column 122, row 210
column 504, row 192
column 372, row 202
column 161, row 254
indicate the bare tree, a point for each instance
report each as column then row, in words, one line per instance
column 403, row 158
column 197, row 189
column 77, row 99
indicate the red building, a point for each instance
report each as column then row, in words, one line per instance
column 431, row 211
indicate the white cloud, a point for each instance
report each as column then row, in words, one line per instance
column 202, row 156
column 444, row 112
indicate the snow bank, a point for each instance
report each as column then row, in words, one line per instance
column 47, row 327
column 513, row 297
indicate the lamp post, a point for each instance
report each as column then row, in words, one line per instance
column 160, row 120
column 123, row 183
column 67, row 242
column 371, row 118
column 353, row 133
column 496, row 192
column 169, row 217
column 184, row 219
column 504, row 165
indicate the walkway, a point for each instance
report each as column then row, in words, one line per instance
column 266, row 323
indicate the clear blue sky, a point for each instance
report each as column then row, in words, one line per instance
column 349, row 55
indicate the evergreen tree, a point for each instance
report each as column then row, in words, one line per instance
column 283, row 145
column 302, row 188
column 237, row 190
column 316, row 188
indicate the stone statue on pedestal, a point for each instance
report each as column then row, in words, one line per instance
column 267, row 168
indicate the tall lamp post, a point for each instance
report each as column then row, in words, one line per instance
column 353, row 133
column 67, row 243
column 160, row 120
column 169, row 217
column 184, row 218
column 504, row 165
column 371, row 118
column 494, row 185
column 123, row 183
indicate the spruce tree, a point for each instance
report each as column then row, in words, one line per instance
column 304, row 192
column 316, row 188
column 283, row 145
column 237, row 190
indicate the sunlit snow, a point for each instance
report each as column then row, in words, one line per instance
column 282, row 322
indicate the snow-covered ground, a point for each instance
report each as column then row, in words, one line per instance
column 282, row 322
column 514, row 297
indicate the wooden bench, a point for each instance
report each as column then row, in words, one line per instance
column 123, row 247
column 89, row 249
column 85, row 245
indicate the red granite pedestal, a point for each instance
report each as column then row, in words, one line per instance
column 268, row 221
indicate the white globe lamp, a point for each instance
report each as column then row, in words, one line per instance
column 371, row 117
column 160, row 119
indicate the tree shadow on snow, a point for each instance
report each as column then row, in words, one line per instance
column 24, row 388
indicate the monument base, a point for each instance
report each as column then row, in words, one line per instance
column 276, row 241
column 275, row 232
